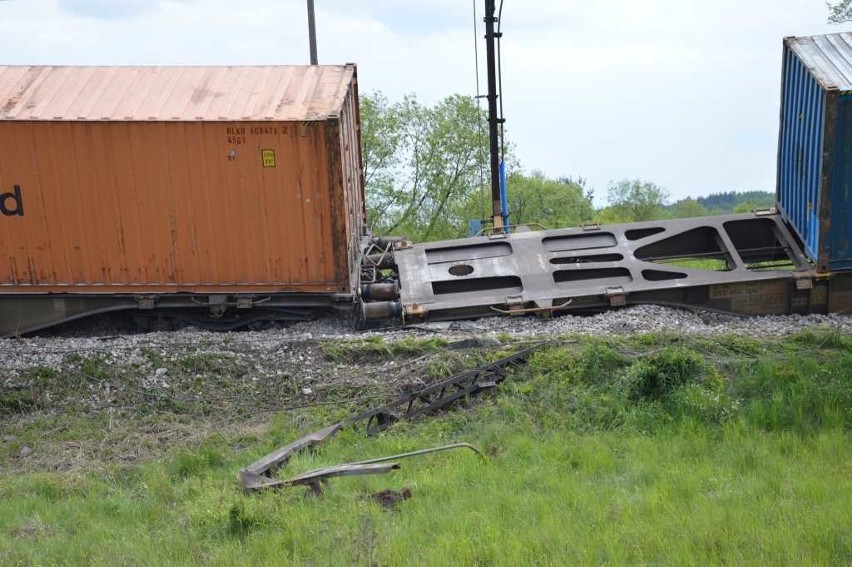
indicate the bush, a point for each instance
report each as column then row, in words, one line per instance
column 600, row 363
column 658, row 376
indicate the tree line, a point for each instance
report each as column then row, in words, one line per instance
column 426, row 177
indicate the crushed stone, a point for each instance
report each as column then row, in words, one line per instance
column 278, row 351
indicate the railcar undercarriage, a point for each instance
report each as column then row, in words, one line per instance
column 747, row 264
column 21, row 314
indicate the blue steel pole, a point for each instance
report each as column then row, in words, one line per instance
column 504, row 198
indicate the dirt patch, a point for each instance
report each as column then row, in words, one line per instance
column 119, row 403
column 389, row 499
column 33, row 529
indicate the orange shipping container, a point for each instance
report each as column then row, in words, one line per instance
column 198, row 179
column 205, row 180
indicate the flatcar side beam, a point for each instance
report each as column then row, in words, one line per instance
column 747, row 263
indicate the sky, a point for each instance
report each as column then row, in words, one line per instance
column 681, row 93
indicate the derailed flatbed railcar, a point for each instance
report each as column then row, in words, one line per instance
column 748, row 264
column 223, row 194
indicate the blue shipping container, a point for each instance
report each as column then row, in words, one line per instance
column 815, row 146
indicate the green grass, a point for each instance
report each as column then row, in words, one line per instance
column 651, row 450
column 721, row 265
column 376, row 348
column 708, row 264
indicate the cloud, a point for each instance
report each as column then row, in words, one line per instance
column 684, row 94
column 416, row 18
column 108, row 9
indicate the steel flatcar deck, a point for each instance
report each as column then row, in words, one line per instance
column 748, row 264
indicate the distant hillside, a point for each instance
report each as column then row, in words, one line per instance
column 721, row 203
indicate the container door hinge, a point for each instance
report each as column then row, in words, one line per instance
column 616, row 296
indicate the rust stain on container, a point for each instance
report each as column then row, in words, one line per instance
column 205, row 179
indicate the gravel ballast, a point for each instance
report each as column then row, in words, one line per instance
column 268, row 349
column 129, row 397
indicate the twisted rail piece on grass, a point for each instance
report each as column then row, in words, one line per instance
column 410, row 406
column 313, row 479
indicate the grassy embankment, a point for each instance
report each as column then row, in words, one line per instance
column 652, row 449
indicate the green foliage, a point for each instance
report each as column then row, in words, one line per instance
column 635, row 203
column 40, row 375
column 774, row 387
column 602, row 389
column 425, row 166
column 736, row 201
column 701, row 403
column 612, row 215
column 800, row 394
column 447, row 363
column 94, row 368
column 707, row 264
column 185, row 464
column 688, row 208
column 18, row 400
column 596, row 363
column 239, row 522
column 636, row 200
column 658, row 376
column 153, row 356
column 824, row 338
column 376, row 348
column 599, row 362
column 551, row 203
column 739, row 454
column 200, row 363
column 422, row 164
column 745, row 207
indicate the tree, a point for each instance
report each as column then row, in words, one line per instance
column 728, row 201
column 687, row 208
column 839, row 12
column 746, row 207
column 636, row 200
column 553, row 203
column 422, row 165
column 381, row 150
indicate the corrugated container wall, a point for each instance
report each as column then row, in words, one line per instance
column 197, row 179
column 814, row 151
